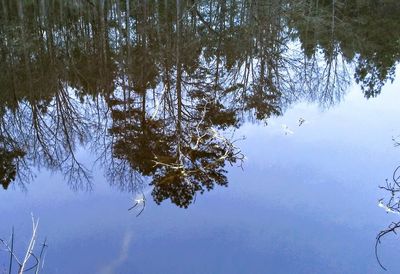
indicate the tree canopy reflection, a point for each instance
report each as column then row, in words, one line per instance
column 155, row 89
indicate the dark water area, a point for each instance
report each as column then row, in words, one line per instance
column 199, row 136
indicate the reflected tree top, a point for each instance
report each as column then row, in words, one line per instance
column 155, row 89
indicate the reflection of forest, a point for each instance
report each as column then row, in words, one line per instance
column 151, row 86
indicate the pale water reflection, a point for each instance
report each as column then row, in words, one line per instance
column 299, row 206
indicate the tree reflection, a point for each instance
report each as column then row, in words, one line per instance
column 8, row 165
column 370, row 39
column 157, row 88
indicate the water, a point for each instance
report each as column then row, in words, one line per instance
column 255, row 135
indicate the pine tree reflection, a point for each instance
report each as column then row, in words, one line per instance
column 8, row 165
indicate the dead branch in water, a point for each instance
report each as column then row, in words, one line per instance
column 392, row 205
column 29, row 254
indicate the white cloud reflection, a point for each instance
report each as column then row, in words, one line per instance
column 113, row 266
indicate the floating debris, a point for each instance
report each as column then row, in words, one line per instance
column 139, row 201
column 301, row 121
column 387, row 209
column 286, row 130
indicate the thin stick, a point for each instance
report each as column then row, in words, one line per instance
column 12, row 251
column 30, row 246
column 41, row 257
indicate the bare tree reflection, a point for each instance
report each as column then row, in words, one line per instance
column 46, row 136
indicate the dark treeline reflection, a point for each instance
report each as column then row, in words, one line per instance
column 155, row 89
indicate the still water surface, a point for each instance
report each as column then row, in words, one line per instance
column 250, row 136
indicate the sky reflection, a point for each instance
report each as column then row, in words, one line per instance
column 304, row 203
